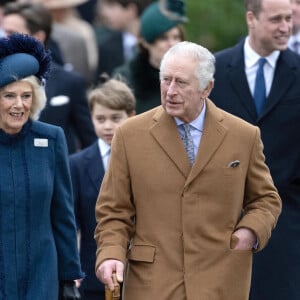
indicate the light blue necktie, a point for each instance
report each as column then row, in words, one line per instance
column 188, row 142
column 260, row 86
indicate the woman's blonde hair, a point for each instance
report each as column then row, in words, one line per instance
column 39, row 98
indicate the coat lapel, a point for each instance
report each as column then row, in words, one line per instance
column 95, row 170
column 212, row 137
column 239, row 82
column 166, row 134
column 284, row 77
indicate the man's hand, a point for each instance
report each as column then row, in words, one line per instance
column 246, row 239
column 105, row 270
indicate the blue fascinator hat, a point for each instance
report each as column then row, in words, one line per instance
column 22, row 56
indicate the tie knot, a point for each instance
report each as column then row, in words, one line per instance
column 186, row 127
column 261, row 62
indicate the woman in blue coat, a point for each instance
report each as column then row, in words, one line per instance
column 38, row 245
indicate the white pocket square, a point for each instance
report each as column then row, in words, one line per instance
column 59, row 100
column 234, row 164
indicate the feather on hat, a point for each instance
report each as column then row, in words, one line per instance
column 22, row 56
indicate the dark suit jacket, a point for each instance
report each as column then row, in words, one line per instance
column 276, row 272
column 67, row 107
column 87, row 172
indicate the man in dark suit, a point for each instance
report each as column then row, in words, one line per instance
column 67, row 107
column 66, row 91
column 276, row 271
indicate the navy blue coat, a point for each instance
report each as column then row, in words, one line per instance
column 67, row 107
column 38, row 245
column 87, row 172
column 276, row 270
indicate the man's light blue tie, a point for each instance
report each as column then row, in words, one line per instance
column 188, row 142
column 260, row 86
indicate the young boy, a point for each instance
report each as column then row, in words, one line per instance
column 110, row 105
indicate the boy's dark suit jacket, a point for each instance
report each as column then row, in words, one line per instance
column 87, row 172
column 276, row 270
column 67, row 107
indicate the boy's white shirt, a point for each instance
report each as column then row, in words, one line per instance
column 104, row 149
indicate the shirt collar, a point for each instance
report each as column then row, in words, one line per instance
column 103, row 147
column 251, row 57
column 198, row 123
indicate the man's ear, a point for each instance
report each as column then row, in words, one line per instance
column 250, row 18
column 208, row 89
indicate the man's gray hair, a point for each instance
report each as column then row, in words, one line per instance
column 204, row 59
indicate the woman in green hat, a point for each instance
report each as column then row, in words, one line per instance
column 161, row 28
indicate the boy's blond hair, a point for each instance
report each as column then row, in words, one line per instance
column 114, row 94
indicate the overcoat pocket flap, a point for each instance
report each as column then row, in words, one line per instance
column 143, row 253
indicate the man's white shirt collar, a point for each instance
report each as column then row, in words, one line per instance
column 251, row 57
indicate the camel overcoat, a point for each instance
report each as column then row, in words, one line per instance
column 172, row 224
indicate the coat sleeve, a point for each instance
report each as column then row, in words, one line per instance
column 115, row 209
column 262, row 204
column 62, row 215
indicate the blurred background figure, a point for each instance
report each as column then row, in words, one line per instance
column 38, row 234
column 118, row 32
column 110, row 105
column 88, row 10
column 161, row 28
column 65, row 13
column 294, row 41
column 75, row 36
column 2, row 4
column 66, row 90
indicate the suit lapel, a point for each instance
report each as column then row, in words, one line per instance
column 95, row 170
column 283, row 78
column 166, row 134
column 239, row 82
column 212, row 137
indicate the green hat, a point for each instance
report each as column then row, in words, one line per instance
column 159, row 17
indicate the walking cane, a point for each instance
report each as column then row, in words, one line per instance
column 115, row 294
